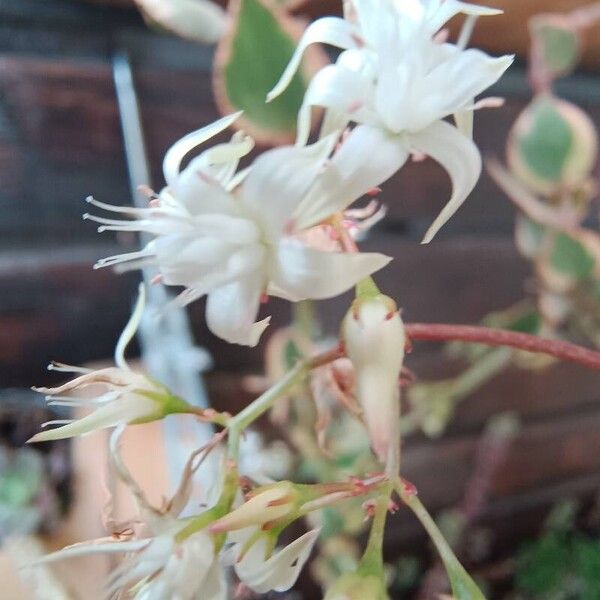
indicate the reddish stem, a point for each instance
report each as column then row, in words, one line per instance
column 439, row 332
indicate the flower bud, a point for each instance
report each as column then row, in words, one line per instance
column 553, row 144
column 354, row 586
column 374, row 338
column 267, row 505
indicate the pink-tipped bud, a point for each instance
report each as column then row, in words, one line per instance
column 374, row 339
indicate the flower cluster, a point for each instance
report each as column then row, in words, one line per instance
column 282, row 226
column 239, row 236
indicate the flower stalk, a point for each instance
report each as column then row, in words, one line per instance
column 463, row 587
column 263, row 403
column 441, row 332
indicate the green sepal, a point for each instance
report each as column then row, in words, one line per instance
column 367, row 289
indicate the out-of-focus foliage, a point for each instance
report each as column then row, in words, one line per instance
column 249, row 61
column 562, row 564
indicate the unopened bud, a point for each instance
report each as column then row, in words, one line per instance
column 265, row 506
column 374, row 338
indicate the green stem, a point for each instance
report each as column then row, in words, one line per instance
column 463, row 587
column 263, row 403
column 488, row 366
column 303, row 317
column 372, row 560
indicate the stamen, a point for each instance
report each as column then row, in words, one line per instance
column 64, row 368
column 119, row 258
column 57, row 422
column 104, row 221
column 128, row 210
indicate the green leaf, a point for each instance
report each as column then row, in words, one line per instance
column 528, row 322
column 332, row 522
column 559, row 45
column 570, row 257
column 544, row 564
column 546, row 146
column 292, row 354
column 250, row 61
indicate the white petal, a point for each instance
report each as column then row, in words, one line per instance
column 200, row 193
column 88, row 548
column 279, row 181
column 196, row 20
column 461, row 159
column 367, row 158
column 186, row 259
column 328, row 30
column 280, row 571
column 464, row 122
column 130, row 328
column 449, row 8
column 231, row 311
column 461, row 77
column 124, row 410
column 303, row 272
column 178, row 151
column 340, row 89
column 202, row 187
column 215, row 585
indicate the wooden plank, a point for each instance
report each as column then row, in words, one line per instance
column 61, row 293
column 58, row 119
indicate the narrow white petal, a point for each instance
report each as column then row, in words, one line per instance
column 199, row 192
column 279, row 181
column 461, row 159
column 197, row 20
column 302, row 272
column 450, row 8
column 107, row 415
column 280, row 571
column 130, row 329
column 461, row 77
column 214, row 586
column 340, row 89
column 368, row 157
column 88, row 548
column 328, row 30
column 464, row 122
column 231, row 311
column 178, row 151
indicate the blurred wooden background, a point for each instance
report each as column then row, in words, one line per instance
column 60, row 141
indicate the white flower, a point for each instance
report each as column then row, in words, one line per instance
column 162, row 564
column 279, row 572
column 234, row 242
column 128, row 397
column 373, row 336
column 196, row 20
column 398, row 84
column 160, row 567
